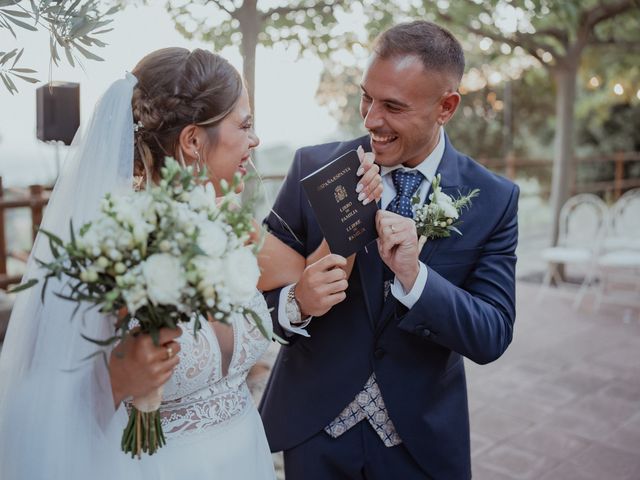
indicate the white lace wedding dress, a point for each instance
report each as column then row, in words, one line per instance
column 212, row 427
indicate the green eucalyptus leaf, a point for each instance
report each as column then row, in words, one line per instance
column 8, row 56
column 23, row 70
column 8, row 83
column 26, row 79
column 15, row 60
column 102, row 343
column 22, row 24
column 72, row 7
column 7, row 25
column 69, row 55
column 16, row 13
column 24, row 286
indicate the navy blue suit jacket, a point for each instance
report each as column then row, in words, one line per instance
column 467, row 309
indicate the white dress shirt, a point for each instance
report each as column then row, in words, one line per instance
column 428, row 167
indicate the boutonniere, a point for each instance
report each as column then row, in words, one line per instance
column 439, row 217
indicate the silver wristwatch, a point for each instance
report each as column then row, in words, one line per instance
column 292, row 308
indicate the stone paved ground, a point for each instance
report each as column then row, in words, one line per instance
column 563, row 403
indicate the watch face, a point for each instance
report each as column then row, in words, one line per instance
column 292, row 310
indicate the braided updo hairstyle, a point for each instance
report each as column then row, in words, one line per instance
column 177, row 88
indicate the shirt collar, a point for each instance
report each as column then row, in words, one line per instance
column 428, row 167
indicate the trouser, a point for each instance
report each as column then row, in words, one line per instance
column 357, row 454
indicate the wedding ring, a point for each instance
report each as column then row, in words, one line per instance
column 169, row 353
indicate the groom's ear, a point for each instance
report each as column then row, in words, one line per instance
column 448, row 106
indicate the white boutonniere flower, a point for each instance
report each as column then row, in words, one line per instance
column 439, row 217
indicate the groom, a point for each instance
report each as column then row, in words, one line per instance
column 372, row 384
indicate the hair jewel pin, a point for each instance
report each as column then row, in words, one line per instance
column 137, row 126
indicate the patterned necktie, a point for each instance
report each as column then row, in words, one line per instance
column 406, row 184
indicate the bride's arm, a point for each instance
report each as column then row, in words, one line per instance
column 280, row 265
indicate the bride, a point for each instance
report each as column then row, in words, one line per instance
column 63, row 408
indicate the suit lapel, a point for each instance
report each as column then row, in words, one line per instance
column 450, row 184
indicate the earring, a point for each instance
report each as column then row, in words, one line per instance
column 181, row 158
column 198, row 161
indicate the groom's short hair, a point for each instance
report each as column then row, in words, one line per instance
column 435, row 46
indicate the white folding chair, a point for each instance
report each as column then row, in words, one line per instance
column 619, row 264
column 624, row 233
column 582, row 224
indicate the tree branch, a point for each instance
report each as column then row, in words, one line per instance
column 282, row 11
column 556, row 33
column 219, row 4
column 601, row 12
column 612, row 42
column 525, row 41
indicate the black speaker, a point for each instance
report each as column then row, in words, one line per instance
column 58, row 111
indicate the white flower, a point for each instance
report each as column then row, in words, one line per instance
column 209, row 271
column 102, row 263
column 125, row 241
column 134, row 209
column 186, row 219
column 165, row 279
column 212, row 239
column 445, row 202
column 89, row 275
column 136, row 298
column 241, row 274
column 202, row 197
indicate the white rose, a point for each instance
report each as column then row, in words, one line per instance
column 449, row 210
column 202, row 197
column 445, row 202
column 212, row 239
column 209, row 270
column 165, row 279
column 241, row 274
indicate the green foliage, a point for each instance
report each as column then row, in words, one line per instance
column 73, row 25
column 302, row 24
column 514, row 51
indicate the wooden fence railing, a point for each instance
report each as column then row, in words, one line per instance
column 36, row 197
column 513, row 167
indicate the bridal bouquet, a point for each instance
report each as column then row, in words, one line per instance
column 440, row 216
column 154, row 258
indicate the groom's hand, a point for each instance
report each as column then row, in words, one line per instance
column 398, row 246
column 322, row 285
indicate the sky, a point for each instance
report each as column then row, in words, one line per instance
column 286, row 109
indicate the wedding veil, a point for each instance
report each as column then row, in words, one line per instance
column 57, row 419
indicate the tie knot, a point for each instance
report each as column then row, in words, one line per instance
column 406, row 183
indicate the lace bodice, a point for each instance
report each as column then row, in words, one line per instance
column 198, row 396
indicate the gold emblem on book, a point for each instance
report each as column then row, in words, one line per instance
column 340, row 193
